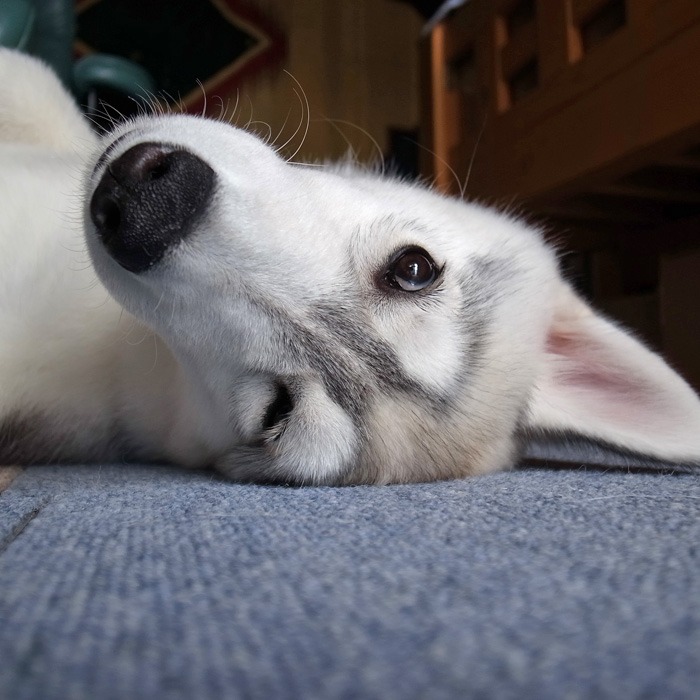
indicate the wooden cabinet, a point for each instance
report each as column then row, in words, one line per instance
column 586, row 115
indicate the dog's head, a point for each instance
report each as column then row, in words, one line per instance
column 339, row 327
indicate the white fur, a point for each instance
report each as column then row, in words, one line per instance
column 180, row 362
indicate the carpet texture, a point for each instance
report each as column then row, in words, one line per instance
column 151, row 582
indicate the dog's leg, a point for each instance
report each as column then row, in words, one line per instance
column 79, row 378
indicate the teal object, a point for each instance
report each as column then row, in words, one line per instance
column 164, row 35
column 46, row 29
column 52, row 35
column 17, row 19
column 115, row 72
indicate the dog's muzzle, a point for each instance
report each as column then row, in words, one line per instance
column 148, row 200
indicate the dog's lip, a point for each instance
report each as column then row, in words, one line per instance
column 109, row 151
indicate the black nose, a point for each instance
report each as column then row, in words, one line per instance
column 148, row 200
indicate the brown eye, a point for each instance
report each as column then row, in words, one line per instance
column 411, row 270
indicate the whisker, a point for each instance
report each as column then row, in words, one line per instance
column 282, row 128
column 269, row 129
column 443, row 161
column 204, row 93
column 471, row 160
column 375, row 143
column 302, row 104
column 351, row 149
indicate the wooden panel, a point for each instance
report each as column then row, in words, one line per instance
column 617, row 117
column 559, row 39
column 583, row 9
column 441, row 115
column 583, row 121
column 355, row 60
column 520, row 49
column 680, row 312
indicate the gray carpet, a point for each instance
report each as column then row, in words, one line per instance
column 149, row 582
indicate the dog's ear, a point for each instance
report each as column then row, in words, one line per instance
column 597, row 381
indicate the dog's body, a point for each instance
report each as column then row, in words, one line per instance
column 282, row 322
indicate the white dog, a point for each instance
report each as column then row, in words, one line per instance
column 285, row 323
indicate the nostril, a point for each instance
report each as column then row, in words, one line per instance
column 143, row 163
column 106, row 214
column 148, row 200
column 160, row 168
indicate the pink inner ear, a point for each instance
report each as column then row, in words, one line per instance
column 597, row 380
column 595, row 375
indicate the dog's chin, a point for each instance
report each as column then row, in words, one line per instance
column 124, row 287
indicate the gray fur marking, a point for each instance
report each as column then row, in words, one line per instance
column 30, row 438
column 24, row 439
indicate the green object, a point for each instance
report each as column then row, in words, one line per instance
column 17, row 19
column 53, row 34
column 46, row 29
column 178, row 41
column 117, row 73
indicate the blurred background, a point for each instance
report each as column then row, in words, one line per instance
column 581, row 115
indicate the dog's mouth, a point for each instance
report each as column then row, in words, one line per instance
column 148, row 200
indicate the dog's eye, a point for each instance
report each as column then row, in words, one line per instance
column 279, row 409
column 411, row 270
